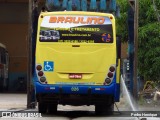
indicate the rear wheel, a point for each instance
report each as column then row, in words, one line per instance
column 42, row 107
column 103, row 109
column 52, row 108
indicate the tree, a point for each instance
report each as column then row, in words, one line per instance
column 149, row 36
column 121, row 22
column 149, row 40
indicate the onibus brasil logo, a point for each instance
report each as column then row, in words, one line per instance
column 20, row 115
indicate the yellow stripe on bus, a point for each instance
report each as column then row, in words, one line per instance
column 118, row 72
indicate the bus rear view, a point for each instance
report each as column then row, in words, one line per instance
column 77, row 61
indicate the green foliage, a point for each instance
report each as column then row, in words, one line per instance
column 147, row 14
column 157, row 3
column 149, row 36
column 122, row 24
column 149, row 51
column 149, row 41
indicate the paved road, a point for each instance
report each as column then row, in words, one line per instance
column 17, row 102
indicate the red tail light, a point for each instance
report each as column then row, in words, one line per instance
column 40, row 73
column 110, row 74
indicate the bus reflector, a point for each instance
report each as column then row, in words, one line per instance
column 75, row 76
column 99, row 88
column 47, row 88
column 111, row 17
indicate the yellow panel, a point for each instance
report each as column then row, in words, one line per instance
column 118, row 72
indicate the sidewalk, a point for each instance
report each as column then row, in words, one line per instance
column 13, row 101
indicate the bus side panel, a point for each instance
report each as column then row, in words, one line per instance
column 117, row 86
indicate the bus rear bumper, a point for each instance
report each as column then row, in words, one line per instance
column 81, row 90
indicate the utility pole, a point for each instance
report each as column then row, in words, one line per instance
column 32, row 33
column 29, row 74
column 135, row 6
column 135, row 74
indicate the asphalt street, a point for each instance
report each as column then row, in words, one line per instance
column 17, row 103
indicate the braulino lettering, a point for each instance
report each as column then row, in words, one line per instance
column 77, row 20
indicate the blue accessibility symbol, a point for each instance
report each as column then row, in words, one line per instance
column 48, row 66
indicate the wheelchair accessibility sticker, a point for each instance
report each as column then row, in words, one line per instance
column 48, row 66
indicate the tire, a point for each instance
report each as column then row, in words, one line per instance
column 110, row 109
column 52, row 108
column 102, row 109
column 42, row 107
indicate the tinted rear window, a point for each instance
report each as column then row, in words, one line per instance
column 76, row 29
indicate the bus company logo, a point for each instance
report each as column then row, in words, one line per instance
column 77, row 20
column 106, row 37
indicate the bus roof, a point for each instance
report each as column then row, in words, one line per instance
column 76, row 13
column 2, row 45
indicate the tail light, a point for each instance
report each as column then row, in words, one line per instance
column 39, row 67
column 108, row 80
column 40, row 74
column 110, row 75
column 43, row 79
column 112, row 68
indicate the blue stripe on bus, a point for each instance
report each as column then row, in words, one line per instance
column 112, row 89
column 67, row 89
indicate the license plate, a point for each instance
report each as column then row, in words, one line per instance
column 75, row 76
